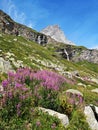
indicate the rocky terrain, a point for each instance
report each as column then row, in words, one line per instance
column 54, row 86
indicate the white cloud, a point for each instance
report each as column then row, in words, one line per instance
column 10, row 8
column 31, row 25
column 34, row 12
column 95, row 47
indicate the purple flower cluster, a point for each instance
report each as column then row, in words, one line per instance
column 53, row 126
column 50, row 80
column 5, row 83
column 15, row 91
column 27, row 83
column 18, row 107
column 38, row 123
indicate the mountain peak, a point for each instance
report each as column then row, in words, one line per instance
column 55, row 32
column 56, row 26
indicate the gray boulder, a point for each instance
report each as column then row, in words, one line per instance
column 90, row 117
column 95, row 110
column 81, row 84
column 63, row 118
column 73, row 91
column 95, row 90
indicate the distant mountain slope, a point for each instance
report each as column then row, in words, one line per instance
column 55, row 32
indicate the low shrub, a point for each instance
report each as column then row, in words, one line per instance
column 70, row 102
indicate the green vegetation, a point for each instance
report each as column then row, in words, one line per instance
column 78, row 122
column 37, row 120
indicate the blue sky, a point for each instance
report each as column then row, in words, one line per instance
column 77, row 18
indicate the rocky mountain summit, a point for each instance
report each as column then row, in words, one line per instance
column 55, row 32
column 8, row 26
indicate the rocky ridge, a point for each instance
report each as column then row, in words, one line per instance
column 8, row 26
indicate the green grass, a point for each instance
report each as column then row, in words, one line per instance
column 78, row 122
column 88, row 65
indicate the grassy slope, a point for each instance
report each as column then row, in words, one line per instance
column 26, row 50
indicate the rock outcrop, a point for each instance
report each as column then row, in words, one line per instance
column 90, row 55
column 77, row 54
column 8, row 26
column 55, row 32
column 63, row 118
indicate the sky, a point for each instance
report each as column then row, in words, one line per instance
column 77, row 18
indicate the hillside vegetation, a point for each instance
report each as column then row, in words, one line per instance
column 40, row 77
